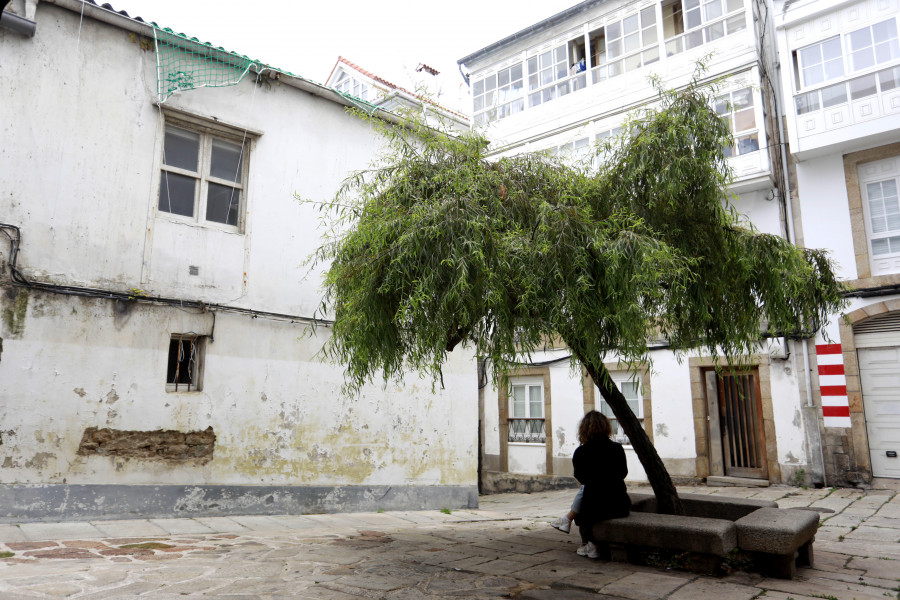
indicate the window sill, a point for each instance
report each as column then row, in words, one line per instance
column 190, row 222
column 527, row 443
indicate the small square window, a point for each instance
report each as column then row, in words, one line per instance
column 184, row 370
column 202, row 176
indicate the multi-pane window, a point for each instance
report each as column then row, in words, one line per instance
column 854, row 89
column 629, row 44
column 873, row 45
column 691, row 23
column 631, row 389
column 202, row 176
column 575, row 151
column 738, row 111
column 884, row 216
column 498, row 95
column 526, row 411
column 824, row 61
column 548, row 74
column 821, row 62
column 184, row 370
column 352, row 86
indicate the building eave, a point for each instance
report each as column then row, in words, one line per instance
column 531, row 30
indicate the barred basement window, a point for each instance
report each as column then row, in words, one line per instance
column 185, row 365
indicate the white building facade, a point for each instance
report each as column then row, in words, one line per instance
column 568, row 82
column 841, row 79
column 155, row 355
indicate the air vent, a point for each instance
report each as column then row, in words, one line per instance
column 883, row 323
column 193, row 270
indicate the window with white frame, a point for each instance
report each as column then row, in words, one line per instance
column 576, row 151
column 202, row 176
column 873, row 45
column 824, row 61
column 351, row 85
column 691, row 23
column 737, row 109
column 526, row 410
column 630, row 44
column 820, row 62
column 879, row 183
column 854, row 89
column 185, row 363
column 556, row 72
column 630, row 386
column 498, row 95
column 600, row 138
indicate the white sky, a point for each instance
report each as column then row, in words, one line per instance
column 386, row 38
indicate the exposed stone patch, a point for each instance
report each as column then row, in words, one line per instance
column 14, row 313
column 164, row 444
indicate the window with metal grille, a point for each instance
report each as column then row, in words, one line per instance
column 526, row 421
column 631, row 388
column 184, row 370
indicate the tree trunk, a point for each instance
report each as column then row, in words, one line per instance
column 667, row 500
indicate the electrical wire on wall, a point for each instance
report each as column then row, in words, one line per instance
column 13, row 234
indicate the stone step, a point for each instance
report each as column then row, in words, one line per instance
column 718, row 480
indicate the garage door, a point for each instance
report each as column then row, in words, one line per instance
column 879, row 370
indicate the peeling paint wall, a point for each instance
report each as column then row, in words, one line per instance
column 71, row 363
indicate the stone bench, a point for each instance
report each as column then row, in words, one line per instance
column 708, row 539
column 779, row 539
column 702, row 505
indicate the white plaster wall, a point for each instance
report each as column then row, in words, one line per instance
column 761, row 210
column 530, row 459
column 276, row 409
column 673, row 417
column 790, row 436
column 568, row 407
column 80, row 180
column 826, row 213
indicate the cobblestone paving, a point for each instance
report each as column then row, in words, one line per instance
column 505, row 549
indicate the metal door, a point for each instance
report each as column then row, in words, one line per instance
column 879, row 372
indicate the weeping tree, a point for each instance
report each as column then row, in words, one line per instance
column 441, row 244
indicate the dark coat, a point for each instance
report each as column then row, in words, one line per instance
column 601, row 468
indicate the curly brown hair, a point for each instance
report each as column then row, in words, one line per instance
column 593, row 426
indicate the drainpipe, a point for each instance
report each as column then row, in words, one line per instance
column 810, row 411
column 18, row 24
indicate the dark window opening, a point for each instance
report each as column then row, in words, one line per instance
column 183, row 373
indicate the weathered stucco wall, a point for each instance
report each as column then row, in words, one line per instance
column 82, row 182
column 275, row 408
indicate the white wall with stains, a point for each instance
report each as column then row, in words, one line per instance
column 81, row 181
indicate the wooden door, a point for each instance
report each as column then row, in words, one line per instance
column 737, row 434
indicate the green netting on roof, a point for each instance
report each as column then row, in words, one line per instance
column 185, row 63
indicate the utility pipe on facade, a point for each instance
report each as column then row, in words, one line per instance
column 816, row 459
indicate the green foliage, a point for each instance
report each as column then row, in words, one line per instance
column 442, row 244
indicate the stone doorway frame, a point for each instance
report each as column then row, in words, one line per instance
column 698, row 365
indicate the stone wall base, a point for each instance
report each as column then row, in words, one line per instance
column 843, row 468
column 497, row 482
column 21, row 503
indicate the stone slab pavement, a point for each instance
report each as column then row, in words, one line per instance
column 504, row 549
